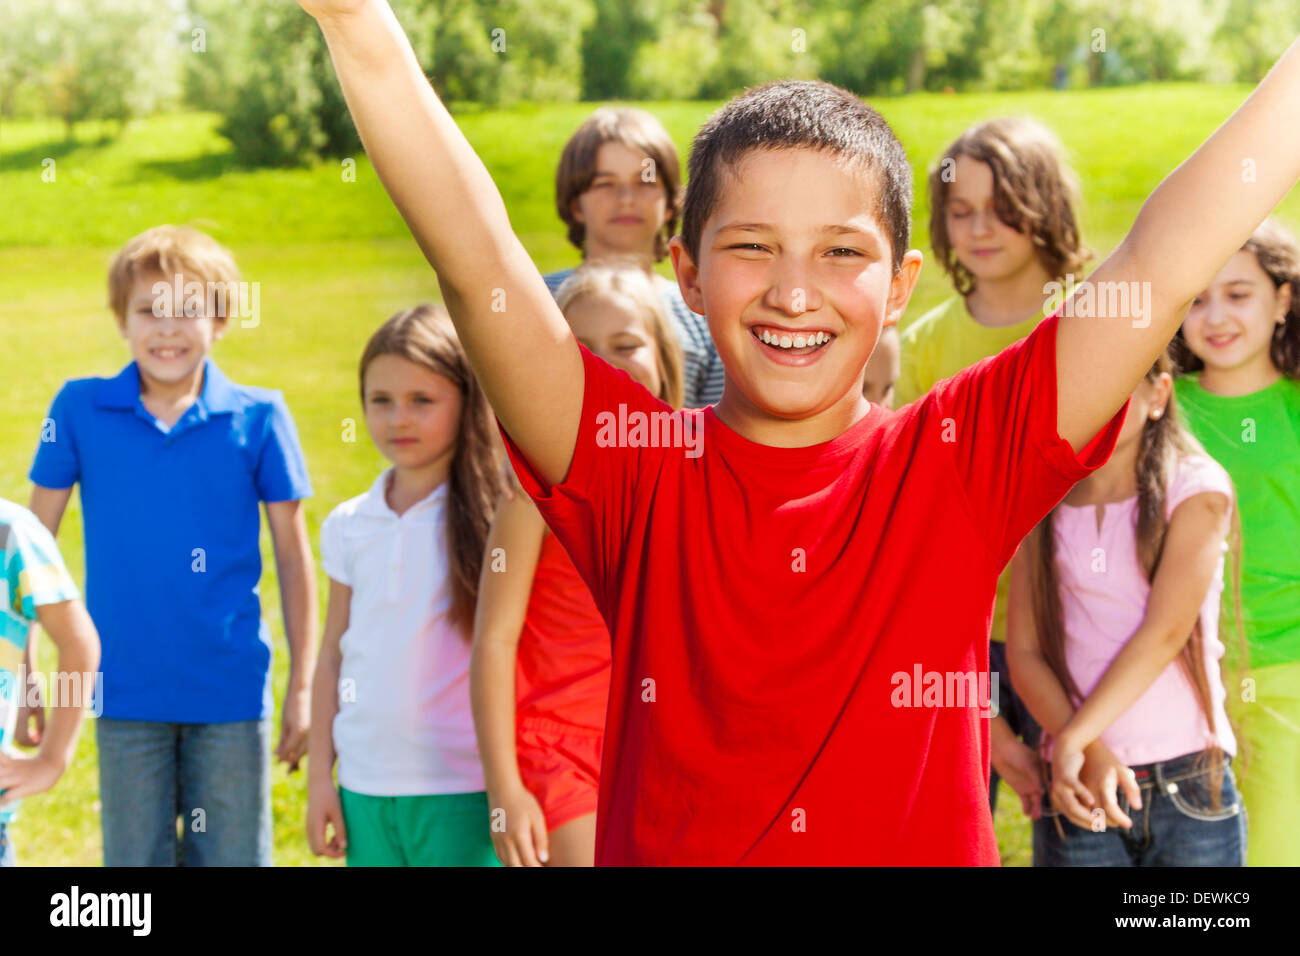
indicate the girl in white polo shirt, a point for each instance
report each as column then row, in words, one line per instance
column 391, row 696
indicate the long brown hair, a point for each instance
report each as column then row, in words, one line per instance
column 1164, row 441
column 1278, row 254
column 1034, row 192
column 424, row 335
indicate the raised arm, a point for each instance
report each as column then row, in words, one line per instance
column 1201, row 214
column 518, row 342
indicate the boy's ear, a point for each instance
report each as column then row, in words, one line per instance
column 688, row 275
column 902, row 284
column 575, row 210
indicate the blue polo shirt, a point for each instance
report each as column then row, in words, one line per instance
column 171, row 536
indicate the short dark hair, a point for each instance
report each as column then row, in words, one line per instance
column 793, row 114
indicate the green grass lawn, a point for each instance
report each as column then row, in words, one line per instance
column 334, row 259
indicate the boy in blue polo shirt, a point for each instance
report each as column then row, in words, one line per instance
column 173, row 459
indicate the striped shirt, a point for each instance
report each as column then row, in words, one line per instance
column 704, row 374
column 34, row 574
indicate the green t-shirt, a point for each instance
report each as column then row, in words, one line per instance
column 1256, row 438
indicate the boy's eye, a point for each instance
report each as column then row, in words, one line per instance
column 748, row 246
column 848, row 252
column 1238, row 296
column 959, row 213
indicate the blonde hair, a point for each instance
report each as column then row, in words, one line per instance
column 635, row 129
column 632, row 283
column 1034, row 192
column 425, row 335
column 171, row 250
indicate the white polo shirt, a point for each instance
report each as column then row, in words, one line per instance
column 404, row 725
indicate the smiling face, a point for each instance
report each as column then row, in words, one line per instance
column 624, row 207
column 614, row 328
column 795, row 276
column 990, row 249
column 413, row 413
column 1230, row 325
column 168, row 345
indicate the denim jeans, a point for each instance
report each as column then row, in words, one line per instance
column 1012, row 709
column 215, row 777
column 7, row 857
column 1177, row 825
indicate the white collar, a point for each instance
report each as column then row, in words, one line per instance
column 375, row 502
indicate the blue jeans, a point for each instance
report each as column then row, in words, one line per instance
column 1177, row 825
column 7, row 857
column 215, row 777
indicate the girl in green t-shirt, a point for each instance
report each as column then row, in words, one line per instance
column 1239, row 348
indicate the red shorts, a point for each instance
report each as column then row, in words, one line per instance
column 560, row 766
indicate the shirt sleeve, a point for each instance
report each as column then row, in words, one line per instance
column 591, row 510
column 57, row 464
column 333, row 555
column 1196, row 474
column 281, row 467
column 999, row 419
column 34, row 571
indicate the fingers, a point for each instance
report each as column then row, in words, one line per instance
column 1128, row 780
column 541, row 838
column 338, row 846
column 1066, row 800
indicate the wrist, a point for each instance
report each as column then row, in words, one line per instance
column 54, row 760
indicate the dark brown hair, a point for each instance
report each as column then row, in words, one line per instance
column 635, row 129
column 424, row 335
column 799, row 114
column 1278, row 254
column 1164, row 441
column 1035, row 192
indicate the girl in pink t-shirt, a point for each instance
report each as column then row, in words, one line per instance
column 1113, row 641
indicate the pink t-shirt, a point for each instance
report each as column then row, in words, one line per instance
column 1104, row 595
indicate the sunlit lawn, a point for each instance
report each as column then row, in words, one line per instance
column 334, row 259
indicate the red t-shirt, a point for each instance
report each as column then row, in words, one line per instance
column 770, row 605
column 562, row 674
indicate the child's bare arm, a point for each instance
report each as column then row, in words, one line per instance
column 1189, row 227
column 324, row 808
column 48, row 504
column 518, row 342
column 325, row 685
column 296, row 575
column 1033, row 679
column 73, row 633
column 518, row 529
column 1192, row 550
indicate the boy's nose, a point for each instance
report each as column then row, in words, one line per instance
column 793, row 292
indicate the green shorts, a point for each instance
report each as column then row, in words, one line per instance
column 449, row 829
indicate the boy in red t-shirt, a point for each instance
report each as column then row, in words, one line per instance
column 799, row 584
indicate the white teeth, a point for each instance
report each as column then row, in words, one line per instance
column 793, row 340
